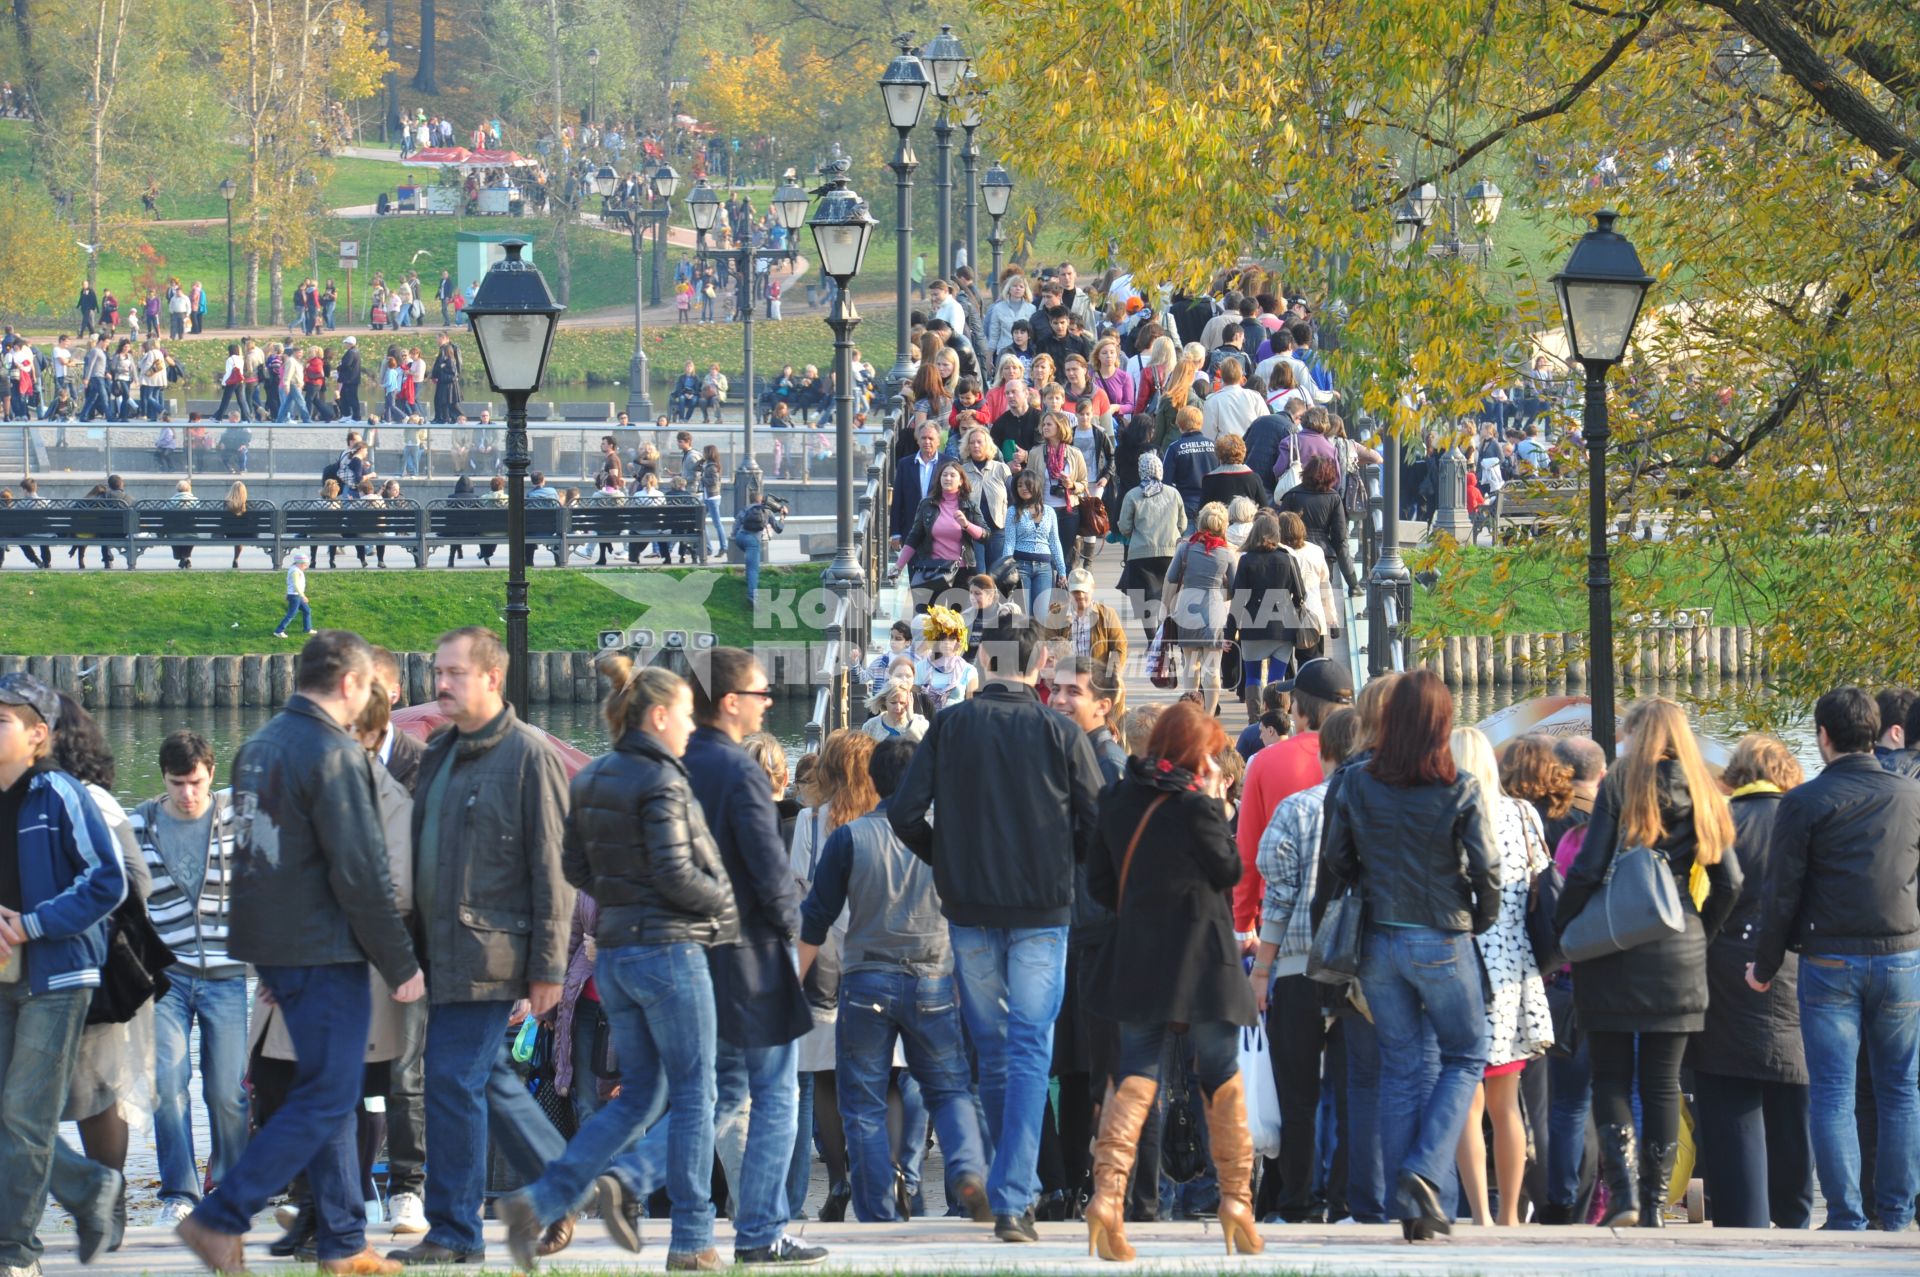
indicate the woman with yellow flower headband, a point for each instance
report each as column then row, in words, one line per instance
column 945, row 671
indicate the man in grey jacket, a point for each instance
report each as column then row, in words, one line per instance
column 492, row 911
column 312, row 907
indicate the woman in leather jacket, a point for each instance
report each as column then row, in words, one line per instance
column 1163, row 861
column 1638, row 1007
column 637, row 842
column 1411, row 834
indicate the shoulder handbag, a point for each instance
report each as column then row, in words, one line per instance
column 1543, row 897
column 135, row 969
column 1638, row 902
column 1334, row 955
column 1126, row 861
column 1093, row 517
column 1290, row 478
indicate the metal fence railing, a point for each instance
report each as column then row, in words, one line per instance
column 850, row 625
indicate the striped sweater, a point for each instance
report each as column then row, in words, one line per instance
column 193, row 926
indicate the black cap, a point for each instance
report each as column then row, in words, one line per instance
column 1324, row 679
column 25, row 689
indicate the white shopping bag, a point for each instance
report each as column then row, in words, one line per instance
column 1263, row 1100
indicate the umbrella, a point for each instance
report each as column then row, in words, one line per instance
column 438, row 157
column 424, row 720
column 1571, row 716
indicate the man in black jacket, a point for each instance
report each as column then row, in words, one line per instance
column 312, row 907
column 1005, row 872
column 913, row 481
column 1841, row 870
column 348, row 372
column 1054, row 341
column 761, row 1011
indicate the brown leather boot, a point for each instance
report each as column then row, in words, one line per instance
column 1233, row 1162
column 1121, row 1117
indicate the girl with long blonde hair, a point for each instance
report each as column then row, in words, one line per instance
column 1639, row 1006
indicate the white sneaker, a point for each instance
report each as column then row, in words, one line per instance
column 285, row 1213
column 31, row 1270
column 172, row 1211
column 407, row 1214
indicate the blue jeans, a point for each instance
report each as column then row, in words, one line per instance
column 1843, row 1000
column 1012, row 980
column 473, row 1093
column 293, row 405
column 800, row 1166
column 1366, row 1181
column 221, row 1007
column 659, row 1000
column 39, row 1040
column 1417, row 978
column 759, row 1086
column 95, row 400
column 719, row 528
column 327, row 1011
column 750, row 547
column 1036, row 581
column 296, row 606
column 878, row 1008
column 1569, row 1114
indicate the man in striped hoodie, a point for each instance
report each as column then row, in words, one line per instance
column 186, row 838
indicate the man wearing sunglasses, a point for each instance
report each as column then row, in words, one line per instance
column 760, row 1009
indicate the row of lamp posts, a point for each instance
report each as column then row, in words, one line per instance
column 514, row 317
column 1601, row 290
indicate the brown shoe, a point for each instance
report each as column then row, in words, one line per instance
column 220, row 1252
column 368, row 1263
column 1121, row 1117
column 1233, row 1163
column 558, row 1237
column 694, row 1261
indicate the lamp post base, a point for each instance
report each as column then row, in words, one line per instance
column 746, row 489
column 639, row 403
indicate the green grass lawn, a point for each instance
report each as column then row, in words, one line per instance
column 1487, row 591
column 210, row 611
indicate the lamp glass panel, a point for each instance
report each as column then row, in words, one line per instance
column 514, row 348
column 1600, row 317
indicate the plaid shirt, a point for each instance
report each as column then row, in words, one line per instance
column 1288, row 859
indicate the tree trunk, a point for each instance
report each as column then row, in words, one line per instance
column 276, row 287
column 252, row 297
column 423, row 74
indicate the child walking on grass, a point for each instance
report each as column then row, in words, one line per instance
column 296, row 595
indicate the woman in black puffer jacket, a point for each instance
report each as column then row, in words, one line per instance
column 637, row 842
column 1639, row 1006
column 1750, row 1067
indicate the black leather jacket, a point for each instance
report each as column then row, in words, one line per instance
column 310, row 880
column 1841, row 865
column 637, row 843
column 1423, row 855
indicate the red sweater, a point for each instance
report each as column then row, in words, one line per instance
column 1275, row 774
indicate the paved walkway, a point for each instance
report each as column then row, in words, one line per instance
column 945, row 1245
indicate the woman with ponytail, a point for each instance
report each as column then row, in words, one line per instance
column 637, row 842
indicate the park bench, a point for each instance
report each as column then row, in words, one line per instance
column 457, row 521
column 1533, row 505
column 198, row 522
column 86, row 521
column 679, row 519
column 362, row 524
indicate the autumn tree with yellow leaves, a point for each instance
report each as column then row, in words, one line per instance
column 1770, row 157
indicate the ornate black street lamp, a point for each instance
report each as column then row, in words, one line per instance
column 658, row 188
column 996, row 192
column 227, row 189
column 904, row 88
column 1601, row 289
column 514, row 317
column 946, row 61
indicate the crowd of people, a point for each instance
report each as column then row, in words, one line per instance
column 1052, row 986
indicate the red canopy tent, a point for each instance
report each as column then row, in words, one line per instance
column 438, row 157
column 496, row 159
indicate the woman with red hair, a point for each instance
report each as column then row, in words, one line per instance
column 1163, row 862
column 1411, row 833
